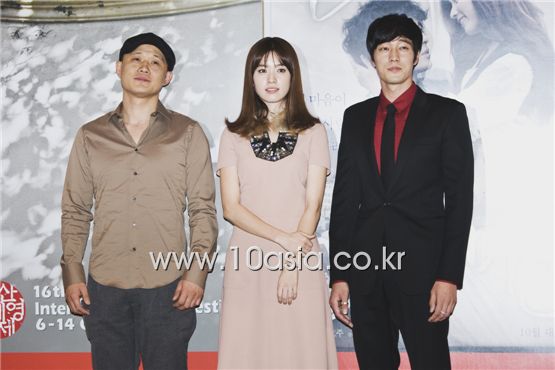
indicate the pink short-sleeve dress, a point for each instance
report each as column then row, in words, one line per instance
column 257, row 332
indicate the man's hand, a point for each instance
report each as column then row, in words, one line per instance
column 74, row 293
column 339, row 299
column 443, row 299
column 187, row 295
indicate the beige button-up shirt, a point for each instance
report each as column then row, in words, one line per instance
column 140, row 193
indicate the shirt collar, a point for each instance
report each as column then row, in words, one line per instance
column 402, row 103
column 116, row 115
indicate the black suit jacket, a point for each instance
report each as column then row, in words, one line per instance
column 427, row 210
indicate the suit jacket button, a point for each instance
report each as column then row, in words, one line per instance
column 387, row 204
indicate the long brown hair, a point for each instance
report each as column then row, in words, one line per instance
column 253, row 119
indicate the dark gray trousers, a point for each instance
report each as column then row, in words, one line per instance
column 126, row 326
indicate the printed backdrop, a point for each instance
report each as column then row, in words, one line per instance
column 507, row 300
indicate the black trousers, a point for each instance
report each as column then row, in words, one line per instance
column 126, row 326
column 379, row 316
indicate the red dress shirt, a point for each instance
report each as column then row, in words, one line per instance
column 402, row 105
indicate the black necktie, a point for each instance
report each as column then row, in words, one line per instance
column 387, row 154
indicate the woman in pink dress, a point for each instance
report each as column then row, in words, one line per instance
column 273, row 162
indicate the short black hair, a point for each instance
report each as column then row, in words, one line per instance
column 355, row 28
column 391, row 26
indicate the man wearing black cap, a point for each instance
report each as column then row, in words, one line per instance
column 141, row 166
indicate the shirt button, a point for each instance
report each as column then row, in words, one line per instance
column 133, row 249
column 136, row 149
column 134, row 198
column 134, row 224
column 135, row 173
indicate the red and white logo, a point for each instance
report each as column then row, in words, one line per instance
column 12, row 309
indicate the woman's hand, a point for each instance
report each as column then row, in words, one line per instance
column 287, row 286
column 296, row 241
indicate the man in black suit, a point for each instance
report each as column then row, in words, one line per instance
column 401, row 209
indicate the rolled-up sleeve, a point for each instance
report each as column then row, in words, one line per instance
column 77, row 202
column 201, row 208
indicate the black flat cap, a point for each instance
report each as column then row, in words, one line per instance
column 151, row 39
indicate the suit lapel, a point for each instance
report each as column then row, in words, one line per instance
column 415, row 120
column 368, row 124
